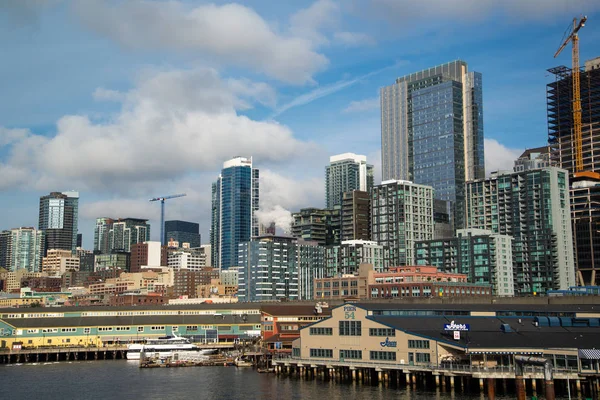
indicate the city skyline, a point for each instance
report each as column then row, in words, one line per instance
column 299, row 128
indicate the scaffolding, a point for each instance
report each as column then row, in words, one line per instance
column 559, row 100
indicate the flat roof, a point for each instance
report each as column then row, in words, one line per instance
column 485, row 332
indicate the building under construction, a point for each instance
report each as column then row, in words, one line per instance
column 585, row 188
column 559, row 96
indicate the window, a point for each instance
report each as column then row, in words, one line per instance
column 268, row 328
column 122, row 328
column 140, row 329
column 158, row 328
column 423, row 357
column 174, row 328
column 105, row 329
column 321, row 353
column 418, row 344
column 191, row 328
column 296, row 352
column 350, row 328
column 383, row 355
column 86, row 331
column 351, row 354
column 382, row 332
column 321, row 331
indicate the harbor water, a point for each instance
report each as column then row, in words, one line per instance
column 125, row 380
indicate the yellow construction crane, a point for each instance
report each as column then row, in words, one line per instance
column 573, row 37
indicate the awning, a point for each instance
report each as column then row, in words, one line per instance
column 589, row 354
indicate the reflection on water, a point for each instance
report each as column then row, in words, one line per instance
column 124, row 380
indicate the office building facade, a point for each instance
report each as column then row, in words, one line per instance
column 533, row 207
column 57, row 262
column 183, row 232
column 345, row 173
column 482, row 256
column 58, row 219
column 401, row 214
column 432, row 131
column 5, row 249
column 235, row 200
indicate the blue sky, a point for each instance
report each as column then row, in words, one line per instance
column 127, row 100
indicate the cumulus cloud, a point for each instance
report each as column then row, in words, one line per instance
column 281, row 195
column 362, row 105
column 231, row 33
column 172, row 123
column 498, row 156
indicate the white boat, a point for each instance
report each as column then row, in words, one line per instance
column 164, row 347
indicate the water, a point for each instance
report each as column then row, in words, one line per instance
column 124, row 380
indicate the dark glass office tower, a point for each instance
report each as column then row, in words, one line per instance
column 183, row 232
column 58, row 219
column 432, row 131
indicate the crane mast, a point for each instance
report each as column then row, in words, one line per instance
column 162, row 213
column 573, row 37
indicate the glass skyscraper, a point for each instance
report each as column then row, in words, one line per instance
column 59, row 213
column 432, row 131
column 235, row 199
column 183, row 232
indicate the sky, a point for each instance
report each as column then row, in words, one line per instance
column 128, row 100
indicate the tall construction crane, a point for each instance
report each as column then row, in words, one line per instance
column 573, row 37
column 162, row 213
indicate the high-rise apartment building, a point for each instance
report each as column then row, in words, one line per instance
column 483, row 256
column 345, row 173
column 59, row 213
column 533, row 159
column 432, row 131
column 102, row 243
column 235, row 200
column 401, row 214
column 346, row 257
column 183, row 232
column 27, row 249
column 126, row 232
column 356, row 215
column 533, row 207
column 276, row 267
column 559, row 96
column 319, row 225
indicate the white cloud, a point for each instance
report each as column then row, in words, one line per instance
column 351, row 39
column 281, row 195
column 230, row 33
column 309, row 22
column 498, row 156
column 102, row 94
column 362, row 105
column 172, row 123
